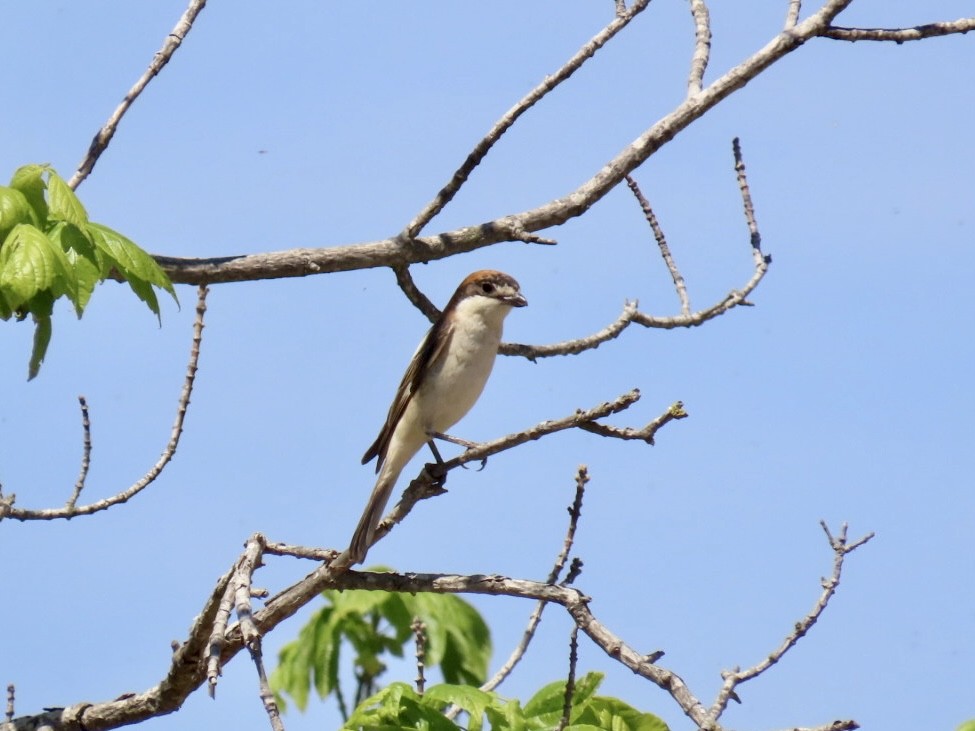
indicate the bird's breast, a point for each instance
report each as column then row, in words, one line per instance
column 457, row 380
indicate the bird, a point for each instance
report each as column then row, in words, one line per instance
column 444, row 379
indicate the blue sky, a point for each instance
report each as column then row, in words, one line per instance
column 845, row 394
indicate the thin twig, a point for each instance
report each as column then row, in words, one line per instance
column 314, row 554
column 420, row 640
column 733, row 678
column 570, row 681
column 900, row 35
column 85, row 454
column 265, row 692
column 632, row 315
column 658, row 234
column 70, row 511
column 243, row 588
column 482, row 148
column 702, row 46
column 100, row 143
column 792, row 14
column 749, row 206
column 575, row 512
column 217, row 641
column 644, row 434
column 11, row 693
column 405, row 281
column 429, row 482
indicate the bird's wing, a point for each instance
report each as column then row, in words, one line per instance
column 431, row 349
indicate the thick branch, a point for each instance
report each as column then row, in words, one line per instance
column 188, row 672
column 397, row 251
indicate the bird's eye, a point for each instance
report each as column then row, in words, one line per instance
column 487, row 288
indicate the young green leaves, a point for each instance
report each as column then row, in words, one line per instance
column 49, row 249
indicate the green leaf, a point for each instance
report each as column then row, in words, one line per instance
column 14, row 209
column 473, row 700
column 459, row 640
column 30, row 263
column 86, row 263
column 612, row 713
column 507, row 717
column 548, row 702
column 29, row 180
column 967, row 726
column 42, row 337
column 63, row 204
column 398, row 706
column 137, row 267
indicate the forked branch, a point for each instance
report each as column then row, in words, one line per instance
column 70, row 510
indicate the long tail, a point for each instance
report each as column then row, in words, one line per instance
column 365, row 531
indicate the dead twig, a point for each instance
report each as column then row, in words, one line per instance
column 100, row 143
column 900, row 35
column 7, row 509
column 658, row 234
column 481, row 149
column 733, row 678
column 702, row 46
column 85, row 454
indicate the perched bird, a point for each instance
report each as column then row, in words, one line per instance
column 444, row 379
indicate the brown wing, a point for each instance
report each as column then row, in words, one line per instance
column 431, row 349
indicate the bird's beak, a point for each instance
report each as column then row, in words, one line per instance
column 516, row 300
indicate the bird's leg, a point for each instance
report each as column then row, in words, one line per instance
column 436, row 471
column 453, row 440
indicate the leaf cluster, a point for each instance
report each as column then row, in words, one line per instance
column 458, row 641
column 399, row 706
column 377, row 625
column 50, row 249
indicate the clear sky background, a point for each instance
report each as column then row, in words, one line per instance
column 845, row 394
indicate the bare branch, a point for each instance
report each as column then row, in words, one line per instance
column 792, row 14
column 85, row 454
column 732, row 678
column 630, row 312
column 429, row 482
column 215, row 644
column 481, row 149
column 420, row 641
column 570, row 680
column 746, row 198
column 187, row 672
column 397, row 251
column 702, row 46
column 900, row 35
column 575, row 512
column 834, row 726
column 645, row 434
column 405, row 281
column 100, row 143
column 7, row 510
column 658, row 234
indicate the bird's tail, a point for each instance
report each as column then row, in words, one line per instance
column 365, row 531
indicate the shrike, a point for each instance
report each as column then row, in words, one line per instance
column 444, row 379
